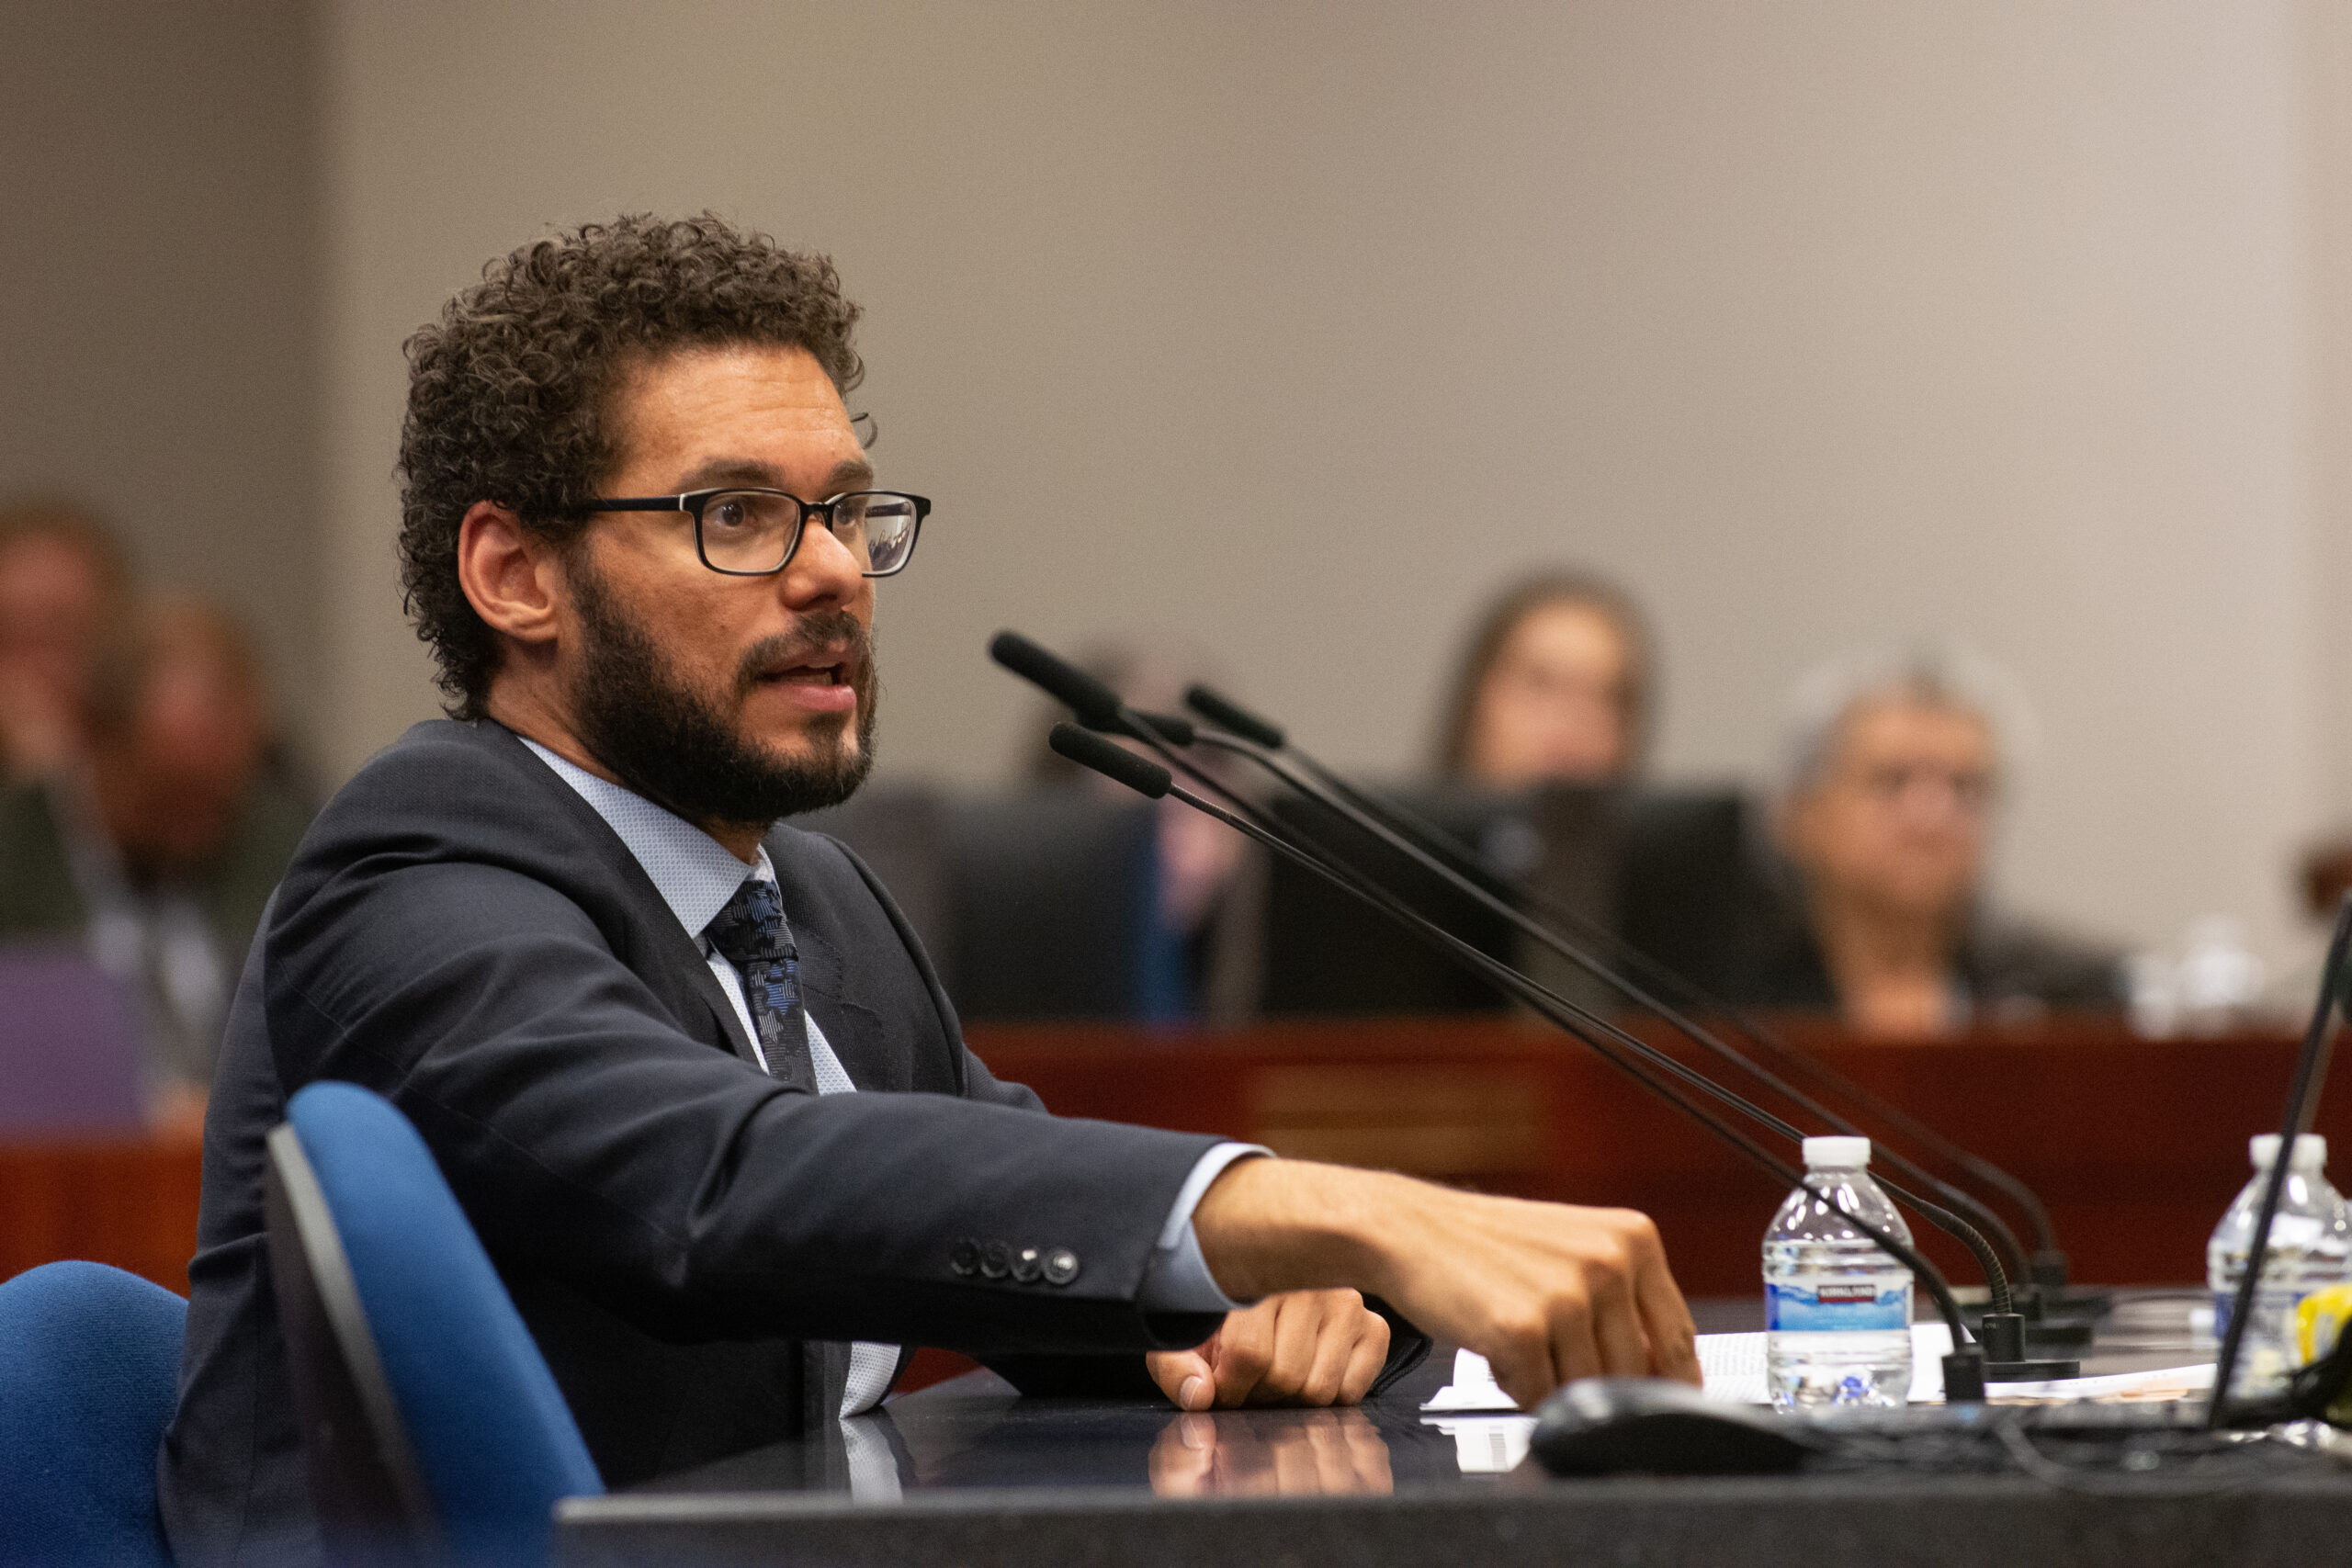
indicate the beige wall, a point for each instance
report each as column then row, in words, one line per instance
column 159, row 352
column 1297, row 328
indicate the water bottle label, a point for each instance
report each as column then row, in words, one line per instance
column 2225, row 1302
column 1837, row 1306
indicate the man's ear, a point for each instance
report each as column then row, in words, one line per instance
column 511, row 576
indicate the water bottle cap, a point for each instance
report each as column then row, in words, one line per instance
column 1836, row 1154
column 2310, row 1151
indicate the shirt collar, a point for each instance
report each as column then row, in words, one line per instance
column 694, row 874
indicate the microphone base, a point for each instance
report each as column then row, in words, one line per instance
column 2031, row 1371
column 1964, row 1376
column 2059, row 1333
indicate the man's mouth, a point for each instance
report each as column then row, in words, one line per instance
column 826, row 666
column 811, row 675
column 823, row 680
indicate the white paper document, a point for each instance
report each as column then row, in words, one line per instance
column 1732, row 1366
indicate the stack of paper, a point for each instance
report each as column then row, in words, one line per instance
column 1732, row 1365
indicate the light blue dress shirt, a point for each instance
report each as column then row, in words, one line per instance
column 696, row 875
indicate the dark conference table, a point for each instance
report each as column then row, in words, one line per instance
column 988, row 1479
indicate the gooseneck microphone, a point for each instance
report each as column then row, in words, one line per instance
column 2047, row 1264
column 1088, row 697
column 1981, row 1217
column 1101, row 709
column 1965, row 1371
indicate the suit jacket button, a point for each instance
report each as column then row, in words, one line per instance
column 996, row 1260
column 1027, row 1264
column 1062, row 1265
column 965, row 1257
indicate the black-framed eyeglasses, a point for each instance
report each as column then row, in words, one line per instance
column 754, row 533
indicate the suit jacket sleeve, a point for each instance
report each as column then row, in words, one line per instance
column 591, row 1139
column 1091, row 1376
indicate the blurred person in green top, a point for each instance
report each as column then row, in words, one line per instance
column 159, row 845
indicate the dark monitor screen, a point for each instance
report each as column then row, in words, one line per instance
column 1675, row 873
column 1328, row 953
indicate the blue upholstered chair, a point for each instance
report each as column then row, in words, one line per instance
column 435, row 1428
column 89, row 1365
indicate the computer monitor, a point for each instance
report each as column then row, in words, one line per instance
column 1327, row 952
column 1673, row 871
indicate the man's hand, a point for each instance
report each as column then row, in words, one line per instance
column 1323, row 1453
column 1299, row 1347
column 1547, row 1292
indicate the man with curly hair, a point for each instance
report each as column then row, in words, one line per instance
column 687, row 1070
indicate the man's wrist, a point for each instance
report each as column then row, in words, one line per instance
column 1269, row 1225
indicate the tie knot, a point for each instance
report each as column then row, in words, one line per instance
column 750, row 928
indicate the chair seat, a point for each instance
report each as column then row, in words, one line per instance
column 89, row 1367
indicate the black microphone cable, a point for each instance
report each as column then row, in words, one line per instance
column 1149, row 779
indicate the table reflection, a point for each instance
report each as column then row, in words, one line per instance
column 1313, row 1453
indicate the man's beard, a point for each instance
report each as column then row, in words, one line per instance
column 675, row 747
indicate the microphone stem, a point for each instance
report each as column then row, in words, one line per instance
column 1469, row 863
column 1567, row 1016
column 1978, row 1212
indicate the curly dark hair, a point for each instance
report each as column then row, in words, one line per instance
column 509, row 392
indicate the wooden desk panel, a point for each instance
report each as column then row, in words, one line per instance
column 2136, row 1145
column 131, row 1204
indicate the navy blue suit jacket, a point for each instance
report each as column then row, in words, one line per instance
column 462, row 933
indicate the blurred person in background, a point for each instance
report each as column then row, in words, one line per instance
column 160, row 848
column 1892, row 774
column 1211, row 878
column 1554, row 687
column 63, row 577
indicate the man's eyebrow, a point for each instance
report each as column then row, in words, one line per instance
column 849, row 473
column 729, row 471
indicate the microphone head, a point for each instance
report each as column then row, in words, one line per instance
column 1171, row 729
column 1113, row 762
column 1233, row 717
column 1094, row 702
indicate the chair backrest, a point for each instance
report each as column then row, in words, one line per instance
column 468, row 1443
column 1056, row 899
column 69, row 1044
column 89, row 1367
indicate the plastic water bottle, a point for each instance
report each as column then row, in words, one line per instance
column 1837, row 1308
column 2311, row 1247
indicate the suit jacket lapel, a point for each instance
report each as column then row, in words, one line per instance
column 649, row 941
column 855, row 1032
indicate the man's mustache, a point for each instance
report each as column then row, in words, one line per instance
column 819, row 631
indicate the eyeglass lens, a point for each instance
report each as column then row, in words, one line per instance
column 751, row 531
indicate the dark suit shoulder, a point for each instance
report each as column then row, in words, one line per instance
column 473, row 793
column 449, row 787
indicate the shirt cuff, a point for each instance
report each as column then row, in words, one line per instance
column 1178, row 1279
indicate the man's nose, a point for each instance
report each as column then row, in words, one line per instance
column 822, row 572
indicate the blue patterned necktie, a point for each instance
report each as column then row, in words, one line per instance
column 751, row 933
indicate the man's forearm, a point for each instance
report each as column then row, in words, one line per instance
column 1268, row 1225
